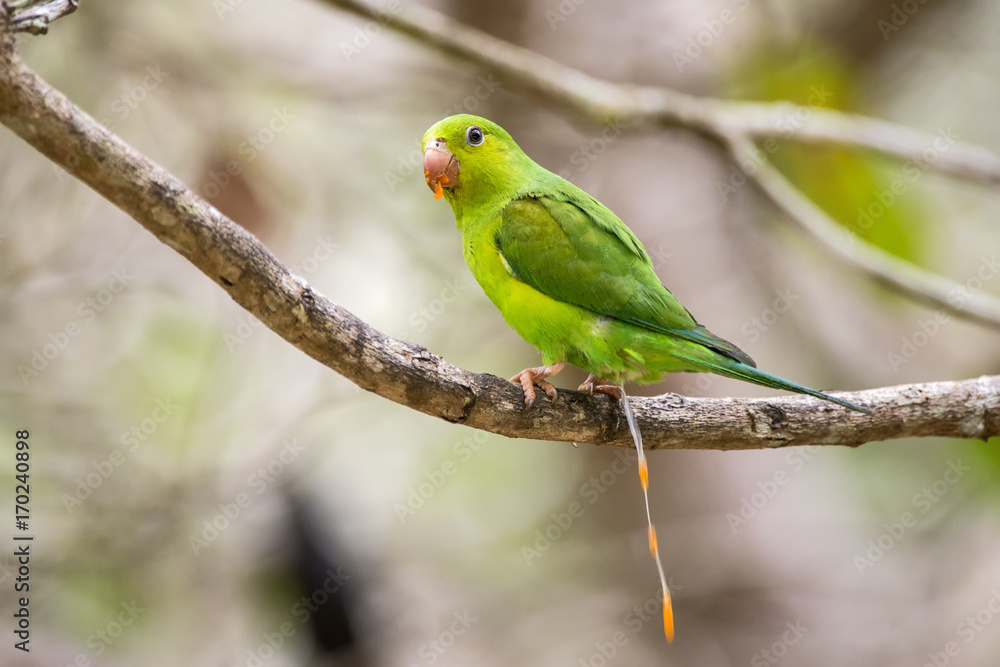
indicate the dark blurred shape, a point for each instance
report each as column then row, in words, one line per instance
column 500, row 19
column 319, row 565
column 861, row 30
column 229, row 188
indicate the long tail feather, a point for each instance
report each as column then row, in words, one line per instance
column 740, row 371
column 654, row 550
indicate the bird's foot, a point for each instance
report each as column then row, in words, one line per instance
column 596, row 385
column 530, row 377
column 589, row 384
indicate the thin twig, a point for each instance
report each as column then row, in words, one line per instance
column 604, row 101
column 732, row 125
column 877, row 263
column 763, row 120
column 410, row 375
column 34, row 16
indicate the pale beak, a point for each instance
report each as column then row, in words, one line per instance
column 441, row 169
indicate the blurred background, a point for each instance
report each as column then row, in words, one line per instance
column 205, row 494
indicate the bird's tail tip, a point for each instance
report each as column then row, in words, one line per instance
column 741, row 371
column 846, row 404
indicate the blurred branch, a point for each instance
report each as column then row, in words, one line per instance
column 34, row 16
column 713, row 118
column 882, row 266
column 410, row 375
column 733, row 125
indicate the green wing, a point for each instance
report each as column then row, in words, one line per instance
column 573, row 249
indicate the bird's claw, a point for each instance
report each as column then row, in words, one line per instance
column 530, row 377
column 595, row 385
column 612, row 390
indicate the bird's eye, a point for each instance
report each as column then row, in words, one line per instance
column 474, row 136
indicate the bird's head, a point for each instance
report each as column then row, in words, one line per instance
column 470, row 161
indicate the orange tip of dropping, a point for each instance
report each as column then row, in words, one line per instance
column 653, row 551
column 668, row 618
column 644, row 473
column 436, row 184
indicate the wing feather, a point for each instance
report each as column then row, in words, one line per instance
column 573, row 249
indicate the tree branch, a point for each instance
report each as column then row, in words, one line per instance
column 732, row 125
column 716, row 119
column 34, row 16
column 882, row 266
column 410, row 375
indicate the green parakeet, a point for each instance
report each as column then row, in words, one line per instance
column 572, row 280
column 566, row 273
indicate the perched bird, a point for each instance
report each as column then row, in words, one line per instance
column 573, row 281
column 567, row 274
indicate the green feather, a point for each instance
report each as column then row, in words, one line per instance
column 569, row 276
